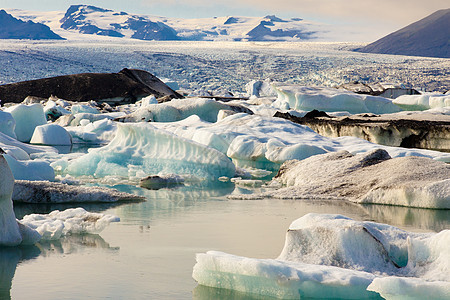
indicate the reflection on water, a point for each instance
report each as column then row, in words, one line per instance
column 11, row 257
column 22, row 209
column 74, row 244
column 159, row 238
column 414, row 218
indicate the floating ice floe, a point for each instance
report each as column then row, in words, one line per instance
column 70, row 221
column 373, row 177
column 333, row 256
column 27, row 117
column 156, row 182
column 54, row 192
column 331, row 100
column 33, row 228
column 423, row 102
column 140, row 149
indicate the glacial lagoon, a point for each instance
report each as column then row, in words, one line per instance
column 150, row 253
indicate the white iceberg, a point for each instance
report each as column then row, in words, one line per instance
column 333, row 256
column 140, row 149
column 7, row 124
column 331, row 100
column 27, row 117
column 423, row 102
column 12, row 233
column 70, row 221
column 254, row 141
column 51, row 134
column 179, row 109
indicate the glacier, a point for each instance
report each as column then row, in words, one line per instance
column 334, row 256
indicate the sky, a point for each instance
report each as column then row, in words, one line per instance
column 375, row 18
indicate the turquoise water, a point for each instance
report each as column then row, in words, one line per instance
column 151, row 252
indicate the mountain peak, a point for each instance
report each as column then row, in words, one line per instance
column 426, row 37
column 13, row 28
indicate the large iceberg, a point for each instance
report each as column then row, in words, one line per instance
column 333, row 256
column 138, row 150
column 27, row 117
column 255, row 141
column 373, row 177
column 331, row 100
column 12, row 233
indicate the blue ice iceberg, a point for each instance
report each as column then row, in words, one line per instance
column 332, row 256
column 141, row 149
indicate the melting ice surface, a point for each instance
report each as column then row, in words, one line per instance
column 333, row 256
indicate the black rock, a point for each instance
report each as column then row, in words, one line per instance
column 127, row 86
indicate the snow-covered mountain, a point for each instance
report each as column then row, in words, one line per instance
column 85, row 19
column 12, row 28
column 426, row 37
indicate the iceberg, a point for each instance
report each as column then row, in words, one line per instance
column 254, row 141
column 51, row 134
column 373, row 177
column 332, row 256
column 7, row 124
column 56, row 224
column 12, row 233
column 27, row 117
column 13, row 147
column 331, row 100
column 55, row 192
column 30, row 169
column 179, row 109
column 422, row 102
column 141, row 149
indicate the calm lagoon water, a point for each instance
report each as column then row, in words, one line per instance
column 151, row 252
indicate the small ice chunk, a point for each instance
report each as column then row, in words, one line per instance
column 156, row 182
column 80, row 108
column 70, row 221
column 51, row 134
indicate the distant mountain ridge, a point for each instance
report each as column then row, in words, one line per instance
column 12, row 28
column 88, row 20
column 92, row 20
column 429, row 37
